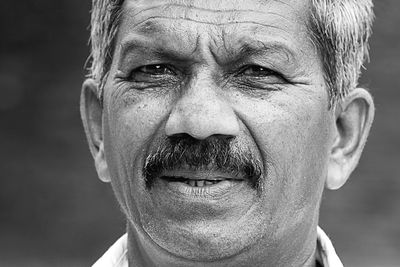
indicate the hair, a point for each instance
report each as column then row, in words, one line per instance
column 339, row 29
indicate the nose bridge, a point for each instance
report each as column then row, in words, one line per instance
column 201, row 112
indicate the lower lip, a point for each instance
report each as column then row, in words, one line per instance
column 214, row 191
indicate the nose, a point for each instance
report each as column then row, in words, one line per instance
column 200, row 112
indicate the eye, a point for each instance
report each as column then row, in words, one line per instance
column 257, row 71
column 151, row 73
column 157, row 69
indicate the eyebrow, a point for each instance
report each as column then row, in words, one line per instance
column 145, row 45
column 258, row 47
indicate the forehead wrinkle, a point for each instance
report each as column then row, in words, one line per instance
column 201, row 22
column 280, row 1
column 193, row 13
column 195, row 8
column 198, row 14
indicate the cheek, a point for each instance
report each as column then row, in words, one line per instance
column 133, row 123
column 292, row 134
column 129, row 128
column 307, row 157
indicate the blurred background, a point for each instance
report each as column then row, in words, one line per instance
column 55, row 212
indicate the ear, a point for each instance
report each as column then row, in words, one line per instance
column 354, row 118
column 92, row 118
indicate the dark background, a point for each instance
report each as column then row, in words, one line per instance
column 55, row 212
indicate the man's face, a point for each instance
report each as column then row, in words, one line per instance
column 242, row 76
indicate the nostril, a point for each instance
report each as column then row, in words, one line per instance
column 180, row 136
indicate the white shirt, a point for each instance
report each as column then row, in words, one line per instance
column 117, row 254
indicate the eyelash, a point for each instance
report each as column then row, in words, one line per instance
column 164, row 67
column 267, row 70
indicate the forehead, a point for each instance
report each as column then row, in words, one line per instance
column 232, row 19
column 217, row 11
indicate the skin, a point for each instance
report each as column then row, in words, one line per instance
column 249, row 73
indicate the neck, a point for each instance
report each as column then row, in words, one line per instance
column 142, row 251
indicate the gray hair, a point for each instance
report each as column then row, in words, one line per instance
column 340, row 30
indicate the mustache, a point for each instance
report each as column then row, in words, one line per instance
column 216, row 153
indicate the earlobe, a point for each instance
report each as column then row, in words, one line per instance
column 92, row 116
column 353, row 122
column 101, row 165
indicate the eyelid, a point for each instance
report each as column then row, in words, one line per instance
column 246, row 67
column 272, row 72
column 166, row 66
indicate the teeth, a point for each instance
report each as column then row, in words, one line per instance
column 201, row 183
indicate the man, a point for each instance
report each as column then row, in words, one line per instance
column 220, row 123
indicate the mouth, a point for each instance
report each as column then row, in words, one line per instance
column 188, row 194
column 199, row 183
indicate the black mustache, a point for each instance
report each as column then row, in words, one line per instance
column 219, row 152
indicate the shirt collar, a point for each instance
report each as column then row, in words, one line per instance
column 326, row 253
column 116, row 255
